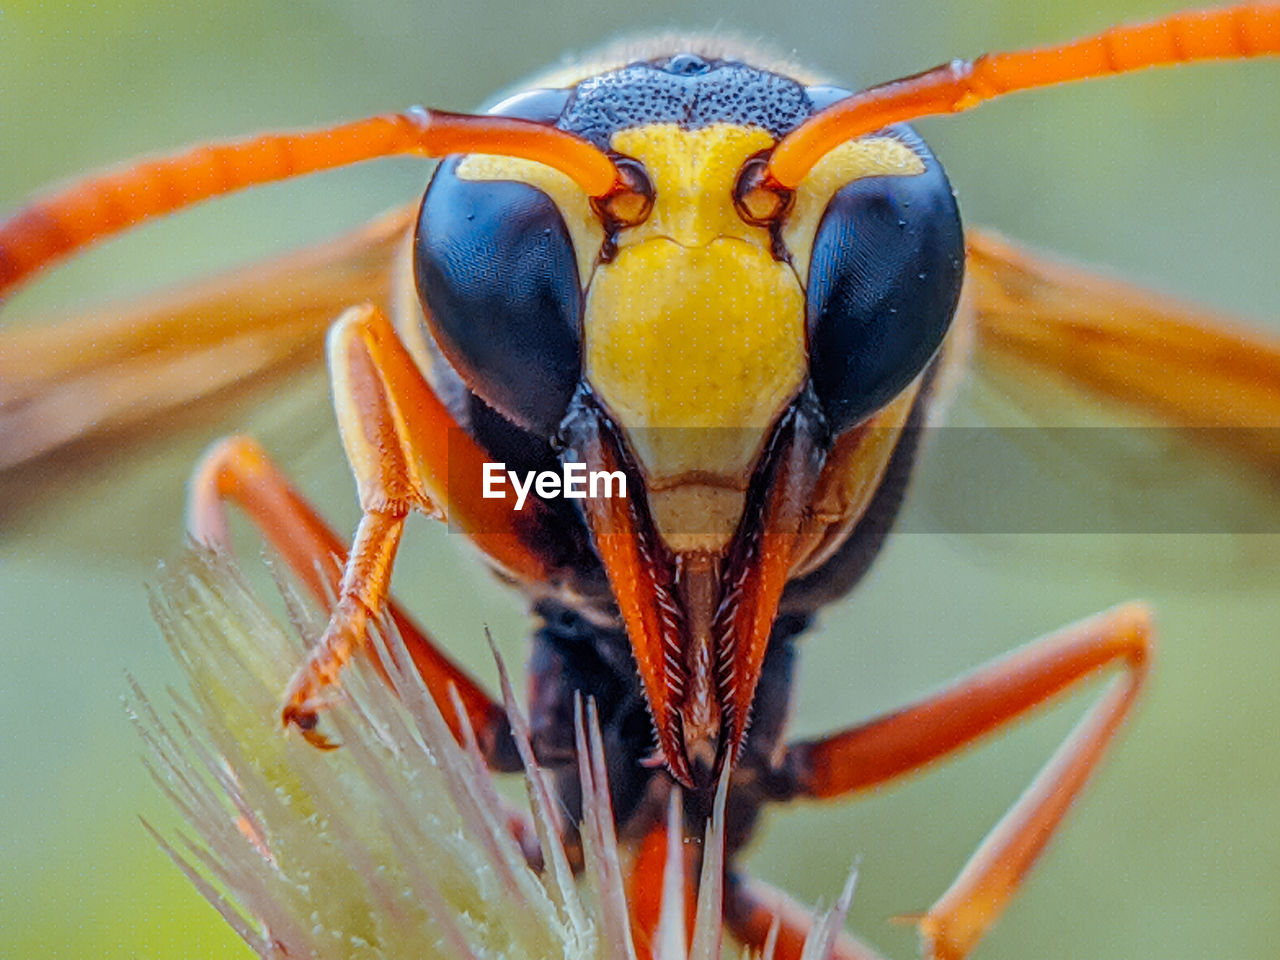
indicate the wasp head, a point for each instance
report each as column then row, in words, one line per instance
column 707, row 334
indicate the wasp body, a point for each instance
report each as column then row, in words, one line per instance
column 741, row 292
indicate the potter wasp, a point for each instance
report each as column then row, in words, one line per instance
column 742, row 291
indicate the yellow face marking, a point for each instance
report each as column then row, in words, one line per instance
column 850, row 479
column 693, row 174
column 694, row 335
column 869, row 157
column 695, row 351
column 585, row 230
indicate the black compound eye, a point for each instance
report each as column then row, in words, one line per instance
column 497, row 276
column 496, row 272
column 884, row 281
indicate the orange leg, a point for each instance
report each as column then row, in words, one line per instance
column 661, row 894
column 644, row 889
column 753, row 909
column 405, row 450
column 891, row 746
column 237, row 469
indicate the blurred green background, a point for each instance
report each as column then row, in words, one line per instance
column 1168, row 178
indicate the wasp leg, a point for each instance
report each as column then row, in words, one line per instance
column 754, row 910
column 237, row 469
column 644, row 890
column 406, row 452
column 661, row 895
column 891, row 746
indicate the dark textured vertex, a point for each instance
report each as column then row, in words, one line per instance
column 669, row 91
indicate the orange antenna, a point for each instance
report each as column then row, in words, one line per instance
column 50, row 229
column 1247, row 30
